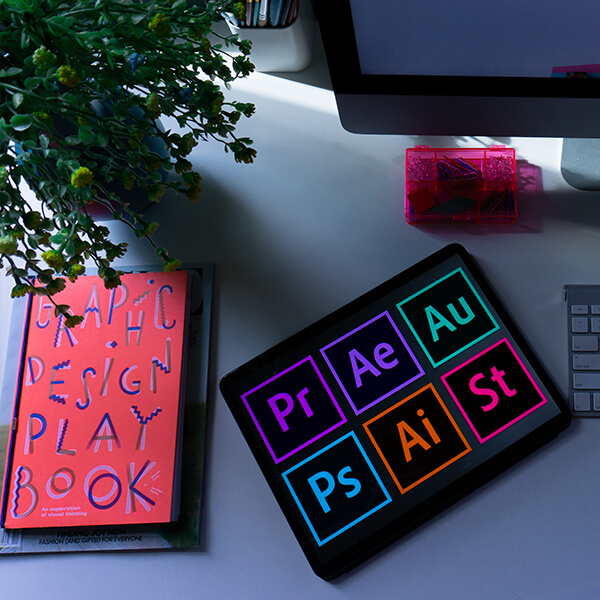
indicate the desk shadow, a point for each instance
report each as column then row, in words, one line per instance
column 579, row 207
column 451, row 141
column 316, row 74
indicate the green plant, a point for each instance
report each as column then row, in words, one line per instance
column 81, row 86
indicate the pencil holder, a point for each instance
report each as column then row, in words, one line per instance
column 286, row 45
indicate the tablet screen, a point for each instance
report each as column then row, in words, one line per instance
column 383, row 413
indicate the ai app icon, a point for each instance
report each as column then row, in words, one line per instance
column 417, row 438
column 447, row 317
column 493, row 390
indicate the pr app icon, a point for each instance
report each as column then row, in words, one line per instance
column 293, row 409
column 493, row 390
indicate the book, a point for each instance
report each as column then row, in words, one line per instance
column 123, row 509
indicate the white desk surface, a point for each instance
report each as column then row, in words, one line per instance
column 315, row 222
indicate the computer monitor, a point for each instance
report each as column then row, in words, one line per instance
column 465, row 67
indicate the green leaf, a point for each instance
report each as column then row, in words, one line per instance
column 10, row 72
column 70, row 98
column 87, row 135
column 25, row 38
column 31, row 83
column 133, row 159
column 60, row 237
column 21, row 122
column 103, row 138
column 17, row 99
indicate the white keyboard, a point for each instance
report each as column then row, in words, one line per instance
column 583, row 316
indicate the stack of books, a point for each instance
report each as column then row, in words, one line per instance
column 102, row 425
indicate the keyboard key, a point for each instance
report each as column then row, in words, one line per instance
column 595, row 324
column 579, row 309
column 597, row 401
column 579, row 325
column 596, row 309
column 585, row 343
column 582, row 401
column 586, row 362
column 586, row 381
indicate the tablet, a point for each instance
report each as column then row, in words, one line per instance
column 383, row 413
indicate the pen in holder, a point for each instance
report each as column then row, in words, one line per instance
column 281, row 32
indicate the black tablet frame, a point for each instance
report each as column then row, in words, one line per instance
column 439, row 501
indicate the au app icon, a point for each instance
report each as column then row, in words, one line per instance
column 447, row 317
column 417, row 438
column 336, row 488
column 494, row 390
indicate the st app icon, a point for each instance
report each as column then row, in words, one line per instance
column 493, row 390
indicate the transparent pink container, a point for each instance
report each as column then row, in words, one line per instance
column 476, row 185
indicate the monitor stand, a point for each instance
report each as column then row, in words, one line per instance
column 580, row 163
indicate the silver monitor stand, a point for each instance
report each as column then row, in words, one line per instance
column 580, row 163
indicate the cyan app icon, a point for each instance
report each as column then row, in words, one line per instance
column 336, row 488
column 447, row 317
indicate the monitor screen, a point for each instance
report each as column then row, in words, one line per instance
column 464, row 67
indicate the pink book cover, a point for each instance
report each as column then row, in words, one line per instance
column 98, row 410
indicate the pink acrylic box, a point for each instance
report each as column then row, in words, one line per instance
column 472, row 185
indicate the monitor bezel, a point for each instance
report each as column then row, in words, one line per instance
column 521, row 106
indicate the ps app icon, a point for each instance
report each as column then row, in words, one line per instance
column 336, row 488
